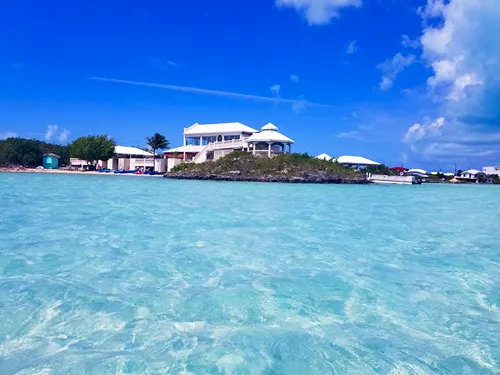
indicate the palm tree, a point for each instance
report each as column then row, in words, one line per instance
column 157, row 142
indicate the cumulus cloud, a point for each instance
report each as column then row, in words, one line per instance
column 50, row 132
column 461, row 47
column 8, row 135
column 294, row 77
column 459, row 44
column 351, row 48
column 319, row 12
column 417, row 132
column 63, row 137
column 392, row 67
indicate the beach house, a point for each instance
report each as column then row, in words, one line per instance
column 489, row 171
column 469, row 175
column 51, row 161
column 203, row 142
column 125, row 158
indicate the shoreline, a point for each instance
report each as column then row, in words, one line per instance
column 269, row 179
column 80, row 173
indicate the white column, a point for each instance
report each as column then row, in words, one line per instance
column 201, row 141
column 268, row 150
column 290, row 148
column 253, row 149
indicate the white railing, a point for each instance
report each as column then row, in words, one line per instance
column 222, row 144
column 200, row 154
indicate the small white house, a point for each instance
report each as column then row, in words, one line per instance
column 470, row 174
column 491, row 171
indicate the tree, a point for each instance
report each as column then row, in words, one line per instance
column 157, row 142
column 93, row 148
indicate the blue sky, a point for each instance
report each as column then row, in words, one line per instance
column 390, row 80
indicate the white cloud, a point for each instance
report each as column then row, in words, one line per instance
column 318, row 12
column 458, row 150
column 294, row 77
column 391, row 69
column 462, row 48
column 220, row 93
column 63, row 137
column 359, row 133
column 351, row 48
column 409, row 43
column 8, row 135
column 417, row 132
column 275, row 89
column 50, row 132
column 299, row 106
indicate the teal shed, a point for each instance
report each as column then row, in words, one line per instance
column 51, row 161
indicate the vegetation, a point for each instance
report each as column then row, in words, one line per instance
column 483, row 178
column 93, row 148
column 29, row 152
column 244, row 166
column 157, row 142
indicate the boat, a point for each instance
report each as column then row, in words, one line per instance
column 394, row 180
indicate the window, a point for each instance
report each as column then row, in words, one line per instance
column 192, row 141
column 207, row 140
column 231, row 137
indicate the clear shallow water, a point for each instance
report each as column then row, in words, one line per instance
column 125, row 275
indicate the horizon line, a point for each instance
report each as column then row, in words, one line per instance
column 227, row 94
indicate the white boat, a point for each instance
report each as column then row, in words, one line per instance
column 394, row 180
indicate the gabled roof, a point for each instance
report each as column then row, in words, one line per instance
column 51, row 154
column 472, row 171
column 216, row 129
column 324, row 156
column 126, row 150
column 355, row 160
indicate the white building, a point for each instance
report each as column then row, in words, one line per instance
column 324, row 156
column 491, row 171
column 470, row 174
column 355, row 161
column 269, row 141
column 204, row 142
column 125, row 158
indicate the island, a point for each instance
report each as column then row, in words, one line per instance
column 285, row 168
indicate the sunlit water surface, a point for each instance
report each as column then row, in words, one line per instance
column 128, row 275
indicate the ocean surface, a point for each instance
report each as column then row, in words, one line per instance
column 130, row 275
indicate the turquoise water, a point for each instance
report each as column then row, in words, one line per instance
column 129, row 275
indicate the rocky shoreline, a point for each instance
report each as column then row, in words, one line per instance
column 235, row 176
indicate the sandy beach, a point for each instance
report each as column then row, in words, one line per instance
column 66, row 171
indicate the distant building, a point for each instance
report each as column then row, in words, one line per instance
column 324, row 156
column 203, row 142
column 51, row 161
column 491, row 171
column 125, row 158
column 469, row 175
column 355, row 161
